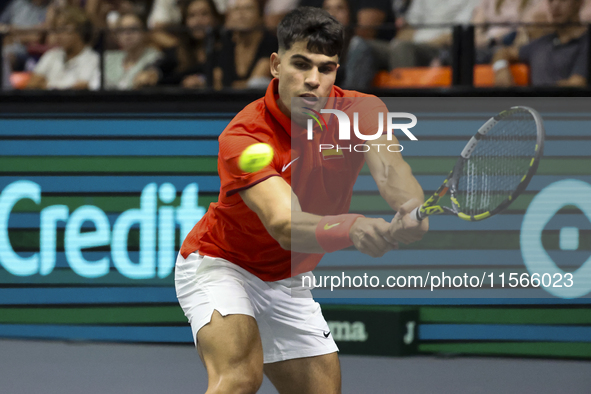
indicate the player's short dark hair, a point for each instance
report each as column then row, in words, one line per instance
column 323, row 32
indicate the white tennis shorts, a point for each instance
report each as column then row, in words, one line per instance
column 290, row 327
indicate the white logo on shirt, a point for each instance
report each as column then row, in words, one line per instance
column 285, row 167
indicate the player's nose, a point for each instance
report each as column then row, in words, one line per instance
column 312, row 78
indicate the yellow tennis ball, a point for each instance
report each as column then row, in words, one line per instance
column 255, row 157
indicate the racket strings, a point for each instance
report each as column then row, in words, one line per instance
column 498, row 163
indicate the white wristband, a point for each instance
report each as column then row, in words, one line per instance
column 500, row 64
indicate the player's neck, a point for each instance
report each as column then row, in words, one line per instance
column 283, row 108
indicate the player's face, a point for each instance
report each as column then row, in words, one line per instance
column 304, row 74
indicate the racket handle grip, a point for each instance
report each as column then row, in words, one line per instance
column 416, row 214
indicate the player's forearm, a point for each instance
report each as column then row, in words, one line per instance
column 399, row 185
column 279, row 210
column 393, row 176
column 309, row 233
column 325, row 234
column 302, row 234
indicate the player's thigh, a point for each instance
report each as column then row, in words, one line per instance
column 212, row 295
column 231, row 346
column 307, row 375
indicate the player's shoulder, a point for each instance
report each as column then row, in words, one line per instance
column 250, row 120
column 251, row 123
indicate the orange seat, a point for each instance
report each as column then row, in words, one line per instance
column 484, row 76
column 428, row 77
column 19, row 80
column 424, row 77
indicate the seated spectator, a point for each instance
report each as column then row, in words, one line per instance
column 492, row 17
column 53, row 10
column 373, row 19
column 542, row 12
column 164, row 13
column 122, row 66
column 24, row 13
column 540, row 18
column 401, row 7
column 412, row 47
column 72, row 65
column 22, row 20
column 5, row 74
column 585, row 14
column 558, row 59
column 243, row 60
column 340, row 10
column 186, row 65
column 275, row 10
column 420, row 47
column 104, row 13
column 164, row 16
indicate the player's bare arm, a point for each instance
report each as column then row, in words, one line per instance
column 295, row 230
column 400, row 189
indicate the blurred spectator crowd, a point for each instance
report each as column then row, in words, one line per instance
column 193, row 44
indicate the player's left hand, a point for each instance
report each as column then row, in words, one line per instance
column 406, row 229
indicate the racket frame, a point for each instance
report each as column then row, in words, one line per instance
column 430, row 207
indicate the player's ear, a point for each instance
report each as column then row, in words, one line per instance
column 275, row 64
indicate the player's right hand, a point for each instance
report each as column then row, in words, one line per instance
column 372, row 237
column 404, row 228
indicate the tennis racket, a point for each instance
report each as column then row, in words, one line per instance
column 494, row 167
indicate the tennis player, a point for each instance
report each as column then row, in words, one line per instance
column 234, row 275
